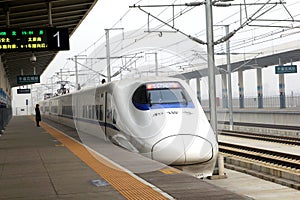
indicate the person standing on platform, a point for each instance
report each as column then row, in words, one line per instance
column 37, row 115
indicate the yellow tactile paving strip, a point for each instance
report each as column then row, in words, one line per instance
column 124, row 183
column 169, row 171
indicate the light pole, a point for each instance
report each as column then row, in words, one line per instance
column 107, row 55
column 156, row 62
column 229, row 80
column 108, row 52
column 212, row 80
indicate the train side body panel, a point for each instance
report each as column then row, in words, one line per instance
column 172, row 133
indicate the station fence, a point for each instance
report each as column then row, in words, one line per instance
column 5, row 116
column 252, row 102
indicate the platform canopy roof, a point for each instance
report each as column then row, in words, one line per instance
column 35, row 14
column 286, row 57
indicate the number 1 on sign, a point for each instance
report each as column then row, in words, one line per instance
column 58, row 41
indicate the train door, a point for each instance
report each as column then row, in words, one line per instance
column 108, row 112
column 100, row 101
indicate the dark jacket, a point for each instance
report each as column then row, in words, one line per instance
column 37, row 114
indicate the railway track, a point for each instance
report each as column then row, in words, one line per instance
column 266, row 137
column 279, row 167
column 283, row 160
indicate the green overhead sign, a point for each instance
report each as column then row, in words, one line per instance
column 28, row 79
column 285, row 69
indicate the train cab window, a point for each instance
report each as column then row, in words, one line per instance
column 166, row 95
column 140, row 95
column 161, row 95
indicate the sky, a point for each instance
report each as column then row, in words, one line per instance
column 108, row 14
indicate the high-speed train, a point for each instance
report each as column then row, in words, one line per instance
column 159, row 118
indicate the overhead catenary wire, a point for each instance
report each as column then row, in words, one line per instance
column 236, row 43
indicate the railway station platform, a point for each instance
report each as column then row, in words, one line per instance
column 44, row 163
column 36, row 163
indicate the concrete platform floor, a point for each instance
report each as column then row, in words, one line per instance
column 255, row 188
column 34, row 165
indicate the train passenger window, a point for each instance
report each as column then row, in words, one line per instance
column 93, row 111
column 46, row 108
column 84, row 112
column 53, row 109
column 97, row 108
column 101, row 112
column 67, row 110
column 90, row 111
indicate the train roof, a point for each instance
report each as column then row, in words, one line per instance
column 119, row 82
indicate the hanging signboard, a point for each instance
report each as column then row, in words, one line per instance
column 28, row 79
column 23, row 91
column 34, row 39
column 285, row 69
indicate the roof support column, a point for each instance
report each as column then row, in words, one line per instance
column 241, row 88
column 281, row 88
column 50, row 13
column 224, row 91
column 259, row 88
column 7, row 12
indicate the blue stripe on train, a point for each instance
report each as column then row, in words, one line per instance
column 90, row 121
column 163, row 105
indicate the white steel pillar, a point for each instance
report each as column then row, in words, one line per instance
column 259, row 88
column 241, row 88
column 229, row 80
column 281, row 88
column 212, row 77
column 224, row 91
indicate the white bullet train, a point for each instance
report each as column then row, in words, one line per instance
column 159, row 118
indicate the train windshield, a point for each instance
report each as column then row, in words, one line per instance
column 161, row 94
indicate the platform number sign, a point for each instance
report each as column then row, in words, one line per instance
column 58, row 39
column 57, row 36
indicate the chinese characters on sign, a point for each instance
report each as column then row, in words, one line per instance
column 285, row 69
column 28, row 79
column 23, row 91
column 8, row 39
column 35, row 39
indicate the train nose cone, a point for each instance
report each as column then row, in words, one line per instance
column 182, row 150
